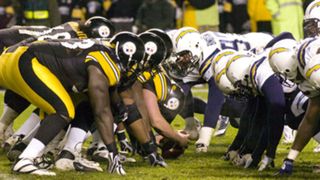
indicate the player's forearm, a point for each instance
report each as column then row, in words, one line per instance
column 164, row 128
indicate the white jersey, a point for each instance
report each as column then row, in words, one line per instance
column 203, row 71
column 236, row 42
column 307, row 49
column 216, row 41
column 260, row 71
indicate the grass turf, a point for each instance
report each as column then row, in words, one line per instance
column 189, row 166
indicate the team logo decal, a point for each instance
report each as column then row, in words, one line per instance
column 172, row 104
column 151, row 48
column 129, row 48
column 104, row 31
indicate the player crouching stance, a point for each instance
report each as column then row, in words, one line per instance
column 47, row 73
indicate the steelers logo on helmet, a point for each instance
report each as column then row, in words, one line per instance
column 99, row 27
column 104, row 31
column 151, row 48
column 129, row 48
column 172, row 104
column 155, row 48
column 166, row 39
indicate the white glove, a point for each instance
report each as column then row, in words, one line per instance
column 230, row 155
column 266, row 162
column 244, row 160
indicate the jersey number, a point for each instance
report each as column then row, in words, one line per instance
column 84, row 44
column 236, row 45
column 63, row 35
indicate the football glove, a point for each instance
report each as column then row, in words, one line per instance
column 156, row 160
column 286, row 168
column 266, row 162
column 115, row 164
column 125, row 147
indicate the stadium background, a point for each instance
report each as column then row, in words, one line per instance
column 234, row 16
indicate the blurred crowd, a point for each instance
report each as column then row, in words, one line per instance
column 234, row 16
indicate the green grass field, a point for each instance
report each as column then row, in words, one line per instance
column 189, row 166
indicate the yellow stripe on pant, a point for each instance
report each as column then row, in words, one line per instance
column 11, row 78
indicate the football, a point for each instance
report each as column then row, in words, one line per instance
column 170, row 149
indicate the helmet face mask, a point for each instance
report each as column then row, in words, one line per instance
column 243, row 89
column 311, row 20
column 181, row 64
column 188, row 51
column 311, row 27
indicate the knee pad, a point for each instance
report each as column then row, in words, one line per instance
column 133, row 114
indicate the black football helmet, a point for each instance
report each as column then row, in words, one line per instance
column 166, row 39
column 155, row 50
column 129, row 49
column 99, row 27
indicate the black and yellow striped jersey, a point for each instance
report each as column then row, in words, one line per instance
column 68, row 60
column 169, row 95
column 16, row 34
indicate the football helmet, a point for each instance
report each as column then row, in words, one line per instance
column 219, row 71
column 238, row 72
column 312, row 71
column 166, row 39
column 282, row 58
column 99, row 27
column 155, row 50
column 311, row 20
column 189, row 47
column 129, row 49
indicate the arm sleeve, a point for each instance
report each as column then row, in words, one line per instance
column 275, row 101
column 214, row 105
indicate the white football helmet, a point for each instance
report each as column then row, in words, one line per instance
column 238, row 71
column 188, row 51
column 311, row 20
column 282, row 58
column 312, row 71
column 219, row 71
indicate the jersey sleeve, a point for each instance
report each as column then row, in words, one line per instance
column 260, row 72
column 106, row 63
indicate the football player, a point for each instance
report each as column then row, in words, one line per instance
column 155, row 51
column 253, row 78
column 296, row 62
column 194, row 55
column 95, row 27
column 46, row 73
